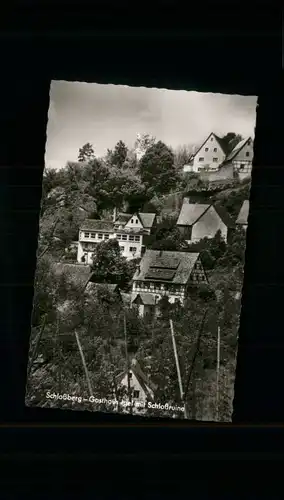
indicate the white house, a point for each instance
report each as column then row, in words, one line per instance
column 165, row 273
column 141, row 388
column 241, row 158
column 242, row 219
column 130, row 231
column 209, row 155
column 197, row 221
column 91, row 232
column 215, row 160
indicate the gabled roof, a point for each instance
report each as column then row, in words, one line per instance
column 218, row 139
column 141, row 377
column 146, row 219
column 122, row 219
column 237, row 149
column 97, row 225
column 181, row 274
column 223, row 214
column 243, row 214
column 148, row 299
column 190, row 213
column 223, row 144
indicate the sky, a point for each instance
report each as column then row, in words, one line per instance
column 104, row 114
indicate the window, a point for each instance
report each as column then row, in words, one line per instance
column 93, row 235
column 215, row 149
column 133, row 249
column 137, row 238
column 106, row 236
column 206, row 149
column 130, row 374
column 118, row 236
column 201, row 158
column 242, row 166
column 124, row 237
column 100, row 236
column 122, row 249
column 136, row 221
column 211, row 139
column 247, row 153
column 131, row 237
column 87, row 235
column 136, row 394
column 215, row 160
column 131, row 221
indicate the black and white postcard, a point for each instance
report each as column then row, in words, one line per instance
column 141, row 251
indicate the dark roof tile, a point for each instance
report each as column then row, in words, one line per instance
column 97, row 225
column 183, row 272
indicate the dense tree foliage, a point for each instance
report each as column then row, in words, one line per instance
column 119, row 154
column 231, row 139
column 86, row 152
column 109, row 266
column 157, row 169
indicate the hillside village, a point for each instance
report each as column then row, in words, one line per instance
column 127, row 243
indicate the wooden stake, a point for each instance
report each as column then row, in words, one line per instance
column 195, row 355
column 84, row 364
column 127, row 361
column 218, row 373
column 177, row 360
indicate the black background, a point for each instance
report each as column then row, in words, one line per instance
column 224, row 48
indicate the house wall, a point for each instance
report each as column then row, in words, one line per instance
column 159, row 290
column 242, row 162
column 127, row 246
column 224, row 172
column 134, row 222
column 135, row 386
column 208, row 156
column 207, row 226
column 81, row 252
column 242, row 168
column 188, row 168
